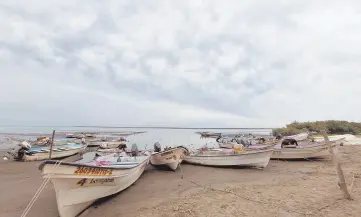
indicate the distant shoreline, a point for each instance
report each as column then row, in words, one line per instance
column 186, row 128
column 61, row 131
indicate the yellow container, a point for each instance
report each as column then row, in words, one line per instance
column 238, row 148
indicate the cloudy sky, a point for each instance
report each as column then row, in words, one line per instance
column 180, row 63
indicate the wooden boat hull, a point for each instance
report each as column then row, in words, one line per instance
column 318, row 151
column 209, row 134
column 229, row 145
column 255, row 158
column 40, row 153
column 170, row 158
column 107, row 145
column 301, row 153
column 348, row 139
column 54, row 155
column 94, row 143
column 78, row 186
column 298, row 137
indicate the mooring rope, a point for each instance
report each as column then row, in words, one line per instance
column 40, row 189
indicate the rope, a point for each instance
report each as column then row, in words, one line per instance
column 40, row 189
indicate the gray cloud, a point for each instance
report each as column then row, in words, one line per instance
column 179, row 63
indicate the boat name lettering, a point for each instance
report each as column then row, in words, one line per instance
column 93, row 171
column 171, row 157
column 276, row 152
column 166, row 153
column 82, row 182
column 101, row 181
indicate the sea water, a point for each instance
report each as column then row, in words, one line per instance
column 166, row 137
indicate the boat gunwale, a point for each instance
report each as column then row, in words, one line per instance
column 57, row 147
column 248, row 152
column 319, row 146
column 33, row 153
column 41, row 166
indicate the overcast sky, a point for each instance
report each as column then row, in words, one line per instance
column 180, row 63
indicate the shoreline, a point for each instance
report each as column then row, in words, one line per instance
column 283, row 188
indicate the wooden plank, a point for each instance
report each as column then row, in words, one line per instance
column 341, row 176
column 52, row 143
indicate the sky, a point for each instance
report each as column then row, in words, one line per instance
column 183, row 63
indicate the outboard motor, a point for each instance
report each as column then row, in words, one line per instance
column 245, row 143
column 278, row 136
column 157, row 147
column 134, row 150
column 242, row 142
column 83, row 141
column 122, row 146
column 20, row 150
column 262, row 140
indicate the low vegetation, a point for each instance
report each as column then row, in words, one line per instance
column 332, row 127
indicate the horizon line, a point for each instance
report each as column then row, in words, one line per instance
column 151, row 127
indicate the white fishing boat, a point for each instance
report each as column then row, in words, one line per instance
column 304, row 150
column 349, row 139
column 24, row 151
column 74, row 136
column 111, row 150
column 70, row 135
column 209, row 134
column 227, row 157
column 250, row 142
column 226, row 141
column 228, row 145
column 111, row 144
column 78, row 185
column 298, row 137
column 170, row 158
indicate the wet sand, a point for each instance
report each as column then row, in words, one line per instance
column 284, row 188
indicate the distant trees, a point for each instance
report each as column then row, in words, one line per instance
column 332, row 127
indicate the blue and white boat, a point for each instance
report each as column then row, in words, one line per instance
column 24, row 151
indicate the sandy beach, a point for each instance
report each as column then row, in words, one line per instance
column 284, row 188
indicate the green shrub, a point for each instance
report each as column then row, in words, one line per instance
column 332, row 127
column 287, row 131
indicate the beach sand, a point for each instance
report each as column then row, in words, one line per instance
column 284, row 188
